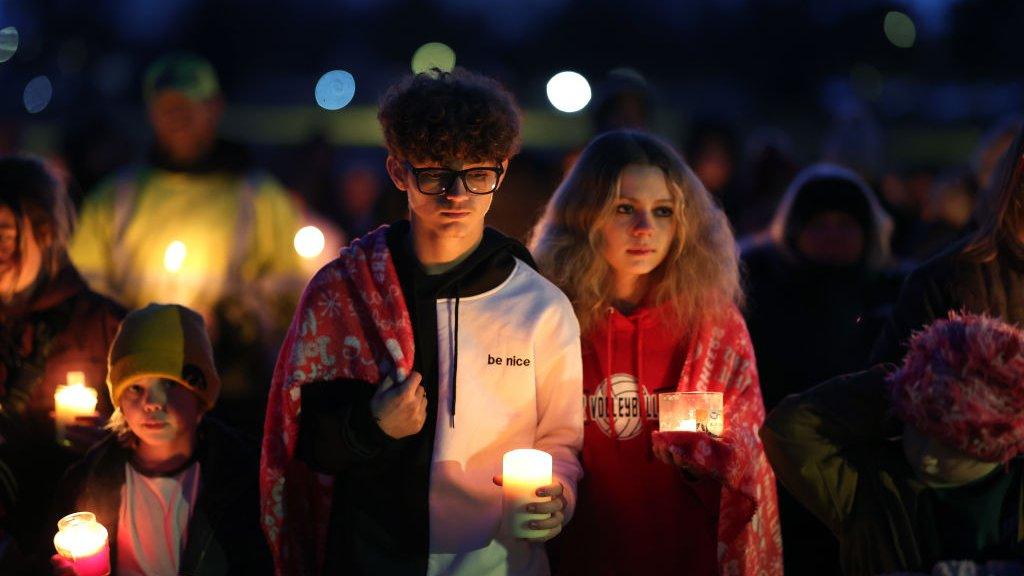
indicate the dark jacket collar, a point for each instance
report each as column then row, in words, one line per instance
column 488, row 266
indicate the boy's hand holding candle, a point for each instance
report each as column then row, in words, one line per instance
column 533, row 503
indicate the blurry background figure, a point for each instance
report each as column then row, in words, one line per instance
column 197, row 224
column 818, row 291
column 624, row 101
column 95, row 145
column 991, row 147
column 981, row 273
column 50, row 324
column 904, row 192
column 855, row 140
column 820, row 285
column 358, row 199
column 769, row 164
column 711, row 149
column 944, row 215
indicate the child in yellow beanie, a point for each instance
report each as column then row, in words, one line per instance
column 175, row 488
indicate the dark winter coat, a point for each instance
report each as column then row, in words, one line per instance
column 63, row 327
column 809, row 323
column 953, row 282
column 224, row 534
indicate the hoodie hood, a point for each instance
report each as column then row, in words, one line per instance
column 487, row 267
column 827, row 187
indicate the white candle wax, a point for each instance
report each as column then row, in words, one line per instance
column 74, row 399
column 523, row 472
column 83, row 540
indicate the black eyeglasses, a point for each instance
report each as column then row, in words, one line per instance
column 436, row 181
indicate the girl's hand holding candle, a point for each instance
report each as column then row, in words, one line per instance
column 82, row 541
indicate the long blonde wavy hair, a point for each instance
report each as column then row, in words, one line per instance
column 700, row 273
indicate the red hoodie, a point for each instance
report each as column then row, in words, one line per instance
column 637, row 515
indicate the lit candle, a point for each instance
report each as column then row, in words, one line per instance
column 83, row 541
column 690, row 412
column 75, row 399
column 523, row 472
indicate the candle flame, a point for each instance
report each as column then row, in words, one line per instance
column 174, row 256
column 79, row 536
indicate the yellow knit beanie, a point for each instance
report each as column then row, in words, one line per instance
column 163, row 341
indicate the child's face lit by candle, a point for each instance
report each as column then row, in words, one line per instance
column 160, row 411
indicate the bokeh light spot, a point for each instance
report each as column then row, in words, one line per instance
column 37, row 95
column 335, row 90
column 433, row 55
column 309, row 242
column 174, row 256
column 8, row 43
column 900, row 29
column 568, row 91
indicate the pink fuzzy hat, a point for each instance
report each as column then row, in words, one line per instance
column 962, row 383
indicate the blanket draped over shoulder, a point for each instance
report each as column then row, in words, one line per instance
column 351, row 323
column 720, row 358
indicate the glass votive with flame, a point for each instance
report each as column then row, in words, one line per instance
column 83, row 541
column 691, row 412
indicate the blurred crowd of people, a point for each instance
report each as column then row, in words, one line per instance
column 840, row 260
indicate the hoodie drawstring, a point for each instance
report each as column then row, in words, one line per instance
column 609, row 398
column 609, row 393
column 455, row 358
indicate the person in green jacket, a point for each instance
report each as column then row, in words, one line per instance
column 197, row 224
column 918, row 466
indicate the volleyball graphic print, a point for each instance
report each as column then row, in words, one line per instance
column 622, row 407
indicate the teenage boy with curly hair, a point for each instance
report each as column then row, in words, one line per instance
column 421, row 355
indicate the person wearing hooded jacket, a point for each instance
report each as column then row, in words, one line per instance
column 818, row 289
column 51, row 324
column 650, row 264
column 819, row 283
column 416, row 359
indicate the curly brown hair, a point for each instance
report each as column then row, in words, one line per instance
column 449, row 117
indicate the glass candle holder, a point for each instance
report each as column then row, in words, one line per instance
column 83, row 541
column 691, row 412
